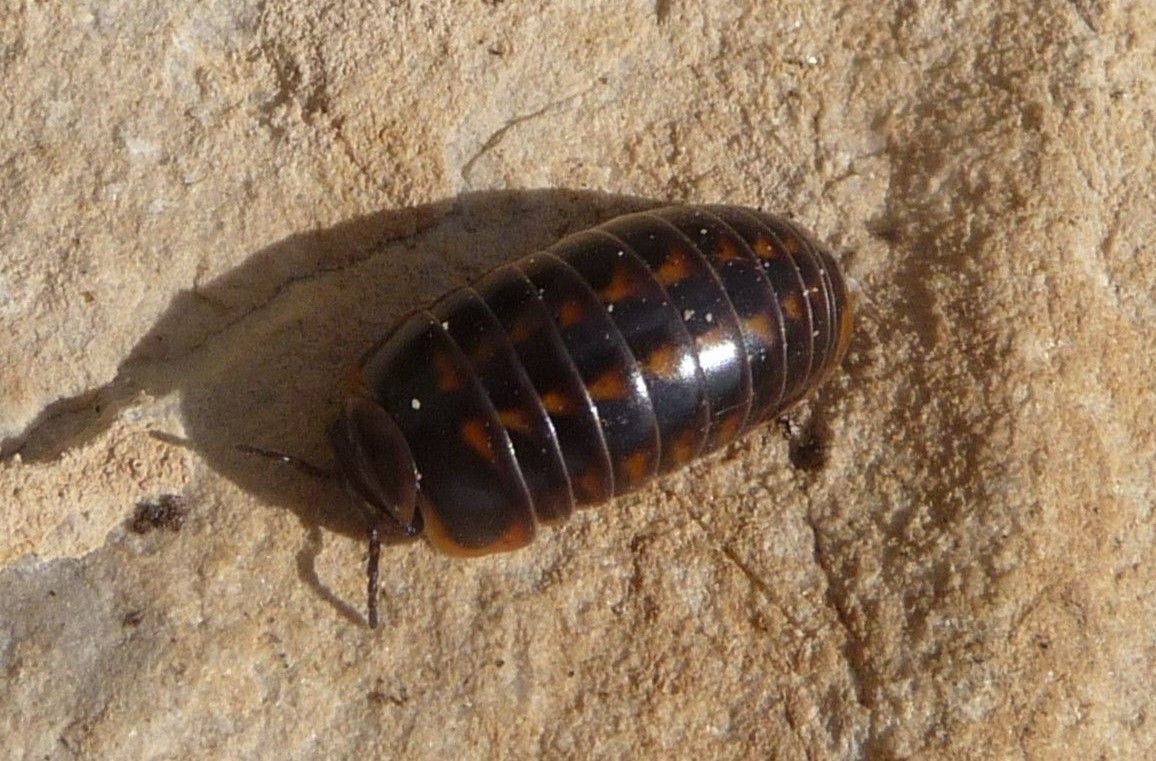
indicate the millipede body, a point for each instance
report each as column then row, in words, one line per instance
column 578, row 373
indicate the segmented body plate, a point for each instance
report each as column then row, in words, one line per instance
column 580, row 372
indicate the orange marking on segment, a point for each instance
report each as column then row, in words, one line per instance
column 674, row 268
column 591, row 485
column 663, row 361
column 764, row 249
column 760, row 325
column 570, row 314
column 515, row 420
column 845, row 324
column 793, row 306
column 519, row 534
column 713, row 337
column 638, row 465
column 609, row 386
column 477, row 438
column 557, row 403
column 727, row 428
column 727, row 251
column 521, row 330
column 621, row 286
column 683, row 447
column 447, row 374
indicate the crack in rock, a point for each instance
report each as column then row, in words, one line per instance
column 499, row 134
column 857, row 666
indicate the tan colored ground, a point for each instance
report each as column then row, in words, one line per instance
column 206, row 215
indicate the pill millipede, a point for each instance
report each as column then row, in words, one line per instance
column 578, row 373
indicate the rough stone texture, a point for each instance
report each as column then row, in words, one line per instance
column 208, row 214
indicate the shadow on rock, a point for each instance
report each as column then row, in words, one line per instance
column 259, row 356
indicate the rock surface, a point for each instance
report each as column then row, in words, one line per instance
column 208, row 214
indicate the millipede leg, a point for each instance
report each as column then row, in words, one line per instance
column 374, row 559
column 306, row 467
column 375, row 524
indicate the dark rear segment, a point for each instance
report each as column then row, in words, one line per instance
column 580, row 372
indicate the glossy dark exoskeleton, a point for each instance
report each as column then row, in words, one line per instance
column 578, row 373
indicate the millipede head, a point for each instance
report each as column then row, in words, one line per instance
column 380, row 478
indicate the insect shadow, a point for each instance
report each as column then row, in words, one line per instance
column 259, row 355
